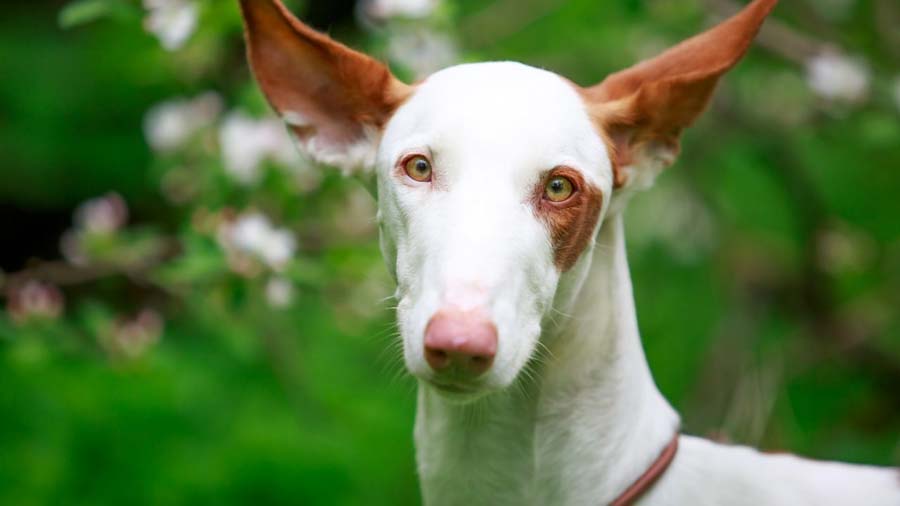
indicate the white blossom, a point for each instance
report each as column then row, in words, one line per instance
column 71, row 248
column 836, row 77
column 385, row 9
column 423, row 51
column 102, row 215
column 279, row 292
column 421, row 47
column 171, row 21
column 253, row 234
column 169, row 124
column 246, row 142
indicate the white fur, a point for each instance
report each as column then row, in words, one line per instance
column 650, row 162
column 569, row 414
column 356, row 157
column 492, row 130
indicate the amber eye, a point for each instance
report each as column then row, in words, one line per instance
column 418, row 167
column 558, row 189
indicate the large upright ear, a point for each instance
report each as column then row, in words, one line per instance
column 643, row 109
column 336, row 100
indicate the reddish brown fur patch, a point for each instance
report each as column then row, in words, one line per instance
column 571, row 223
column 655, row 100
column 338, row 90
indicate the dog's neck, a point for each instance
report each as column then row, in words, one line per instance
column 586, row 423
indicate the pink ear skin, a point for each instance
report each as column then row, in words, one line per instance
column 648, row 105
column 324, row 89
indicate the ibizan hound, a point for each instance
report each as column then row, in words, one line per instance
column 501, row 189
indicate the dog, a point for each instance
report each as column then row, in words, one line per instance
column 500, row 196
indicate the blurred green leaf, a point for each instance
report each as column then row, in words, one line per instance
column 81, row 12
column 780, row 215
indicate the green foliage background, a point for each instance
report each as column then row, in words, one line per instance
column 766, row 262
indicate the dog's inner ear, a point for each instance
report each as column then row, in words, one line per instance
column 336, row 100
column 643, row 109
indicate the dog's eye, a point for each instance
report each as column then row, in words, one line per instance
column 419, row 168
column 558, row 189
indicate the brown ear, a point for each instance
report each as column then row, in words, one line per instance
column 643, row 109
column 335, row 99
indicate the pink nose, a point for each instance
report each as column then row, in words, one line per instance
column 461, row 340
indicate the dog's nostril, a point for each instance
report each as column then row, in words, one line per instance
column 465, row 340
column 437, row 359
column 480, row 364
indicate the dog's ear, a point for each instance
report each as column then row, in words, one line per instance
column 643, row 109
column 335, row 100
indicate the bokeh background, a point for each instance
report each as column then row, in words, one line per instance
column 194, row 314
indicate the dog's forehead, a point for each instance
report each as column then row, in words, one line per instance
column 498, row 89
column 507, row 109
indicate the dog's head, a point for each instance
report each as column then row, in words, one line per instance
column 493, row 178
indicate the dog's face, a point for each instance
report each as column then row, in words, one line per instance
column 491, row 183
column 492, row 178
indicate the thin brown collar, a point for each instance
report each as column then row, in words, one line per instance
column 646, row 480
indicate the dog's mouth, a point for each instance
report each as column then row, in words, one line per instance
column 456, row 391
column 453, row 388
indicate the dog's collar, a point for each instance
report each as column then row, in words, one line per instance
column 646, row 480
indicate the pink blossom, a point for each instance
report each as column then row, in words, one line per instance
column 34, row 299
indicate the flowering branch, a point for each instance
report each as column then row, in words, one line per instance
column 62, row 273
